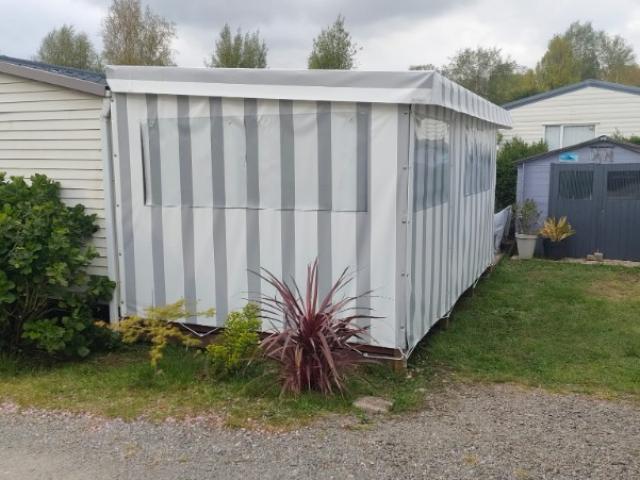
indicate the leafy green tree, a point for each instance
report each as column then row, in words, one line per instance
column 238, row 51
column 525, row 84
column 333, row 48
column 558, row 66
column 583, row 53
column 617, row 60
column 585, row 43
column 133, row 36
column 509, row 152
column 484, row 71
column 63, row 46
column 580, row 53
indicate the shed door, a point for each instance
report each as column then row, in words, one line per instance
column 602, row 203
column 620, row 223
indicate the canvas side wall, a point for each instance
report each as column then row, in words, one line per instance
column 55, row 131
column 453, row 185
column 210, row 190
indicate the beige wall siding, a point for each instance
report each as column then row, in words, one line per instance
column 607, row 109
column 55, row 131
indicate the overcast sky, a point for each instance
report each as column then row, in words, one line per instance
column 393, row 34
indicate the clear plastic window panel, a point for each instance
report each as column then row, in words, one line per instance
column 431, row 161
column 478, row 167
column 215, row 161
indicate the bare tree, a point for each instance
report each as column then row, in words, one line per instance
column 132, row 35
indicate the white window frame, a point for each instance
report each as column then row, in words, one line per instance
column 567, row 124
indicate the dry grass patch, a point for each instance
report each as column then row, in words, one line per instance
column 621, row 287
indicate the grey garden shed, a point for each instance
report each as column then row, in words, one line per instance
column 596, row 184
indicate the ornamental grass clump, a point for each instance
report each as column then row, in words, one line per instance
column 556, row 230
column 314, row 345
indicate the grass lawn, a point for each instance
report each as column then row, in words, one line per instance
column 561, row 326
column 122, row 384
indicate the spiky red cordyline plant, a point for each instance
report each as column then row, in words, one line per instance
column 313, row 346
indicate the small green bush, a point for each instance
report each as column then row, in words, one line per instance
column 238, row 344
column 46, row 294
column 159, row 327
column 506, row 175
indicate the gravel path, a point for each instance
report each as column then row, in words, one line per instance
column 467, row 431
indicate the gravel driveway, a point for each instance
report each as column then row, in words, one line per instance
column 467, row 431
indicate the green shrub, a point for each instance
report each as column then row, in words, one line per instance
column 238, row 344
column 507, row 173
column 617, row 135
column 46, row 294
column 158, row 327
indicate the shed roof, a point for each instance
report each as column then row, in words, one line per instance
column 409, row 87
column 617, row 87
column 598, row 141
column 85, row 81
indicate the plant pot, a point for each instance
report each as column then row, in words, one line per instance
column 555, row 250
column 526, row 245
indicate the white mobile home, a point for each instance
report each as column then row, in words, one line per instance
column 219, row 173
column 50, row 123
column 576, row 113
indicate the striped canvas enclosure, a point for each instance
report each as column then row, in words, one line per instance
column 220, row 173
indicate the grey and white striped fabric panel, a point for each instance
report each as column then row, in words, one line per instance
column 452, row 214
column 240, row 133
column 211, row 189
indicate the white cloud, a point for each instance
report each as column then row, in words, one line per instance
column 392, row 34
column 23, row 23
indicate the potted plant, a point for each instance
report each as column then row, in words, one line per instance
column 527, row 216
column 555, row 232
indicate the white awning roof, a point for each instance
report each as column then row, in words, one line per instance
column 410, row 87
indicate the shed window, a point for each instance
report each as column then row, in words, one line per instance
column 431, row 160
column 624, row 184
column 576, row 185
column 558, row 136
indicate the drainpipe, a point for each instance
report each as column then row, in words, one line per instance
column 109, row 199
column 522, row 193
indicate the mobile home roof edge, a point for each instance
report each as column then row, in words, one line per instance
column 602, row 139
column 398, row 87
column 81, row 80
column 617, row 87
